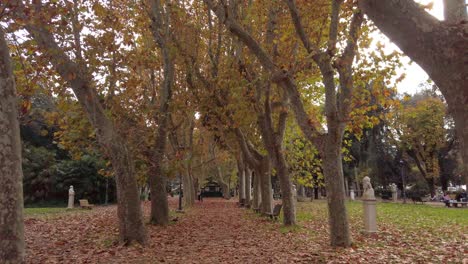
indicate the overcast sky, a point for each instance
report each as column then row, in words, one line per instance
column 414, row 74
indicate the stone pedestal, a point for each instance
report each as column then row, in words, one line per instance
column 394, row 192
column 71, row 198
column 370, row 216
column 352, row 195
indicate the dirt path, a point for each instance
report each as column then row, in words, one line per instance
column 214, row 231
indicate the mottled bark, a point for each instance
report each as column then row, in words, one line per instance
column 159, row 206
column 131, row 227
column 334, row 184
column 439, row 47
column 11, row 174
column 161, row 33
column 188, row 188
column 241, row 176
column 257, row 191
column 264, row 173
column 455, row 11
column 248, row 185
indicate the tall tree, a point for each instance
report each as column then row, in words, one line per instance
column 75, row 72
column 11, row 173
column 337, row 104
column 439, row 47
column 160, row 27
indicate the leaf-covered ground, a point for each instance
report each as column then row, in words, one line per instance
column 216, row 231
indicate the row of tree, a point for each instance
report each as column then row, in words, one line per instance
column 168, row 87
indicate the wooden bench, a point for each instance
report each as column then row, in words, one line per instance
column 455, row 203
column 85, row 204
column 276, row 212
column 418, row 199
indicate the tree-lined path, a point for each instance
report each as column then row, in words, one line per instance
column 217, row 231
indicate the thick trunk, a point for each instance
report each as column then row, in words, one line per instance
column 248, row 185
column 301, row 191
column 263, row 171
column 454, row 11
column 257, row 192
column 333, row 172
column 241, row 175
column 289, row 205
column 159, row 206
column 189, row 196
column 432, row 189
column 461, row 123
column 131, row 227
column 11, row 174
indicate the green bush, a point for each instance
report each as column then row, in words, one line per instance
column 420, row 189
column 47, row 179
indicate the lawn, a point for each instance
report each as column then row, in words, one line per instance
column 407, row 232
column 49, row 211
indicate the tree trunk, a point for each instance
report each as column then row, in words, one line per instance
column 461, row 122
column 189, row 197
column 160, row 30
column 289, row 205
column 159, row 206
column 356, row 181
column 248, row 184
column 333, row 172
column 346, row 187
column 241, row 175
column 257, row 192
column 264, row 171
column 131, row 227
column 11, row 173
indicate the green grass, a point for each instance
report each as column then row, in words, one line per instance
column 411, row 217
column 46, row 211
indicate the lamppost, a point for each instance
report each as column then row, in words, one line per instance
column 402, row 163
column 180, row 192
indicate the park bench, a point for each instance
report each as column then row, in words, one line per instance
column 276, row 212
column 455, row 203
column 418, row 199
column 85, row 204
column 241, row 203
column 386, row 197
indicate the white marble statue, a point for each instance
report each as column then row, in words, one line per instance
column 368, row 190
column 71, row 197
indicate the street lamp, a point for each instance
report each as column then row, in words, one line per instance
column 180, row 192
column 402, row 163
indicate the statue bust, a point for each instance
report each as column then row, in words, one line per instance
column 393, row 187
column 71, row 191
column 368, row 190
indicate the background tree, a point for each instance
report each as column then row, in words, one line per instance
column 11, row 174
column 80, row 79
column 435, row 45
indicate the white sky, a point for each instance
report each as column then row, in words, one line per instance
column 414, row 74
